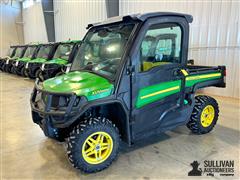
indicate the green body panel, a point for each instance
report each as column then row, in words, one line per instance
column 82, row 83
column 156, row 92
column 152, row 93
column 192, row 80
column 25, row 59
column 57, row 61
column 38, row 60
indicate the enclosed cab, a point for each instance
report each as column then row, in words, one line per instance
column 19, row 53
column 30, row 54
column 60, row 62
column 130, row 78
column 45, row 53
column 11, row 53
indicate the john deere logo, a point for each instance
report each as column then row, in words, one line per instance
column 195, row 171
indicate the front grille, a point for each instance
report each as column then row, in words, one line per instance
column 57, row 100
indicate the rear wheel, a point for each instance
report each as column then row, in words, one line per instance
column 204, row 116
column 93, row 144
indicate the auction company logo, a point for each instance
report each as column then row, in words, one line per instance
column 212, row 168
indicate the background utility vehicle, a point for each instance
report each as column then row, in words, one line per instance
column 45, row 53
column 20, row 50
column 29, row 54
column 11, row 53
column 62, row 59
column 130, row 79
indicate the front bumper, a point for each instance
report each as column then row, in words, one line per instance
column 60, row 108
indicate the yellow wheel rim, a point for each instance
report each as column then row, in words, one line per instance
column 97, row 147
column 207, row 116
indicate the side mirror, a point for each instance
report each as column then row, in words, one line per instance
column 190, row 61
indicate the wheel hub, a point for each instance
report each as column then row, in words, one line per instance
column 207, row 116
column 97, row 147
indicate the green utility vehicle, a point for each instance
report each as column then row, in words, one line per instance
column 30, row 54
column 45, row 53
column 130, row 79
column 19, row 52
column 62, row 60
column 11, row 54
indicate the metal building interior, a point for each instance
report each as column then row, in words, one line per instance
column 214, row 40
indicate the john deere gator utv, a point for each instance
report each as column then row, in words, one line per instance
column 45, row 53
column 19, row 52
column 61, row 60
column 130, row 79
column 30, row 54
column 11, row 53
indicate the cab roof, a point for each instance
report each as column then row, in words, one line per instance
column 70, row 41
column 141, row 17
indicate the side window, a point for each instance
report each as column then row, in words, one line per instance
column 161, row 45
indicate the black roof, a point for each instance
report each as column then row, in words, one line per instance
column 142, row 17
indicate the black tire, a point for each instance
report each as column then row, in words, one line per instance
column 78, row 136
column 195, row 124
column 40, row 76
column 12, row 70
column 23, row 73
column 37, row 73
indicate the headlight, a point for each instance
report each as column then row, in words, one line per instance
column 7, row 62
column 17, row 63
column 26, row 65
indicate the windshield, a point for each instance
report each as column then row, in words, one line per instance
column 102, row 49
column 29, row 52
column 63, row 51
column 10, row 52
column 18, row 52
column 44, row 52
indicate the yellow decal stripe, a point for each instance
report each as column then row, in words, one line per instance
column 160, row 92
column 203, row 76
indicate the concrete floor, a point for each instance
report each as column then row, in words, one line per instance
column 26, row 153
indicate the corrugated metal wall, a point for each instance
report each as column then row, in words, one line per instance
column 11, row 30
column 34, row 25
column 215, row 33
column 72, row 17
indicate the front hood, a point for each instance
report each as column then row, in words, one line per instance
column 57, row 61
column 38, row 60
column 25, row 59
column 85, row 84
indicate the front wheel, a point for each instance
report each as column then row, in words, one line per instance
column 204, row 116
column 37, row 73
column 93, row 144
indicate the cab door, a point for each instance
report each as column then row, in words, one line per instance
column 159, row 55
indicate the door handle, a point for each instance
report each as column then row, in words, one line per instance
column 180, row 72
